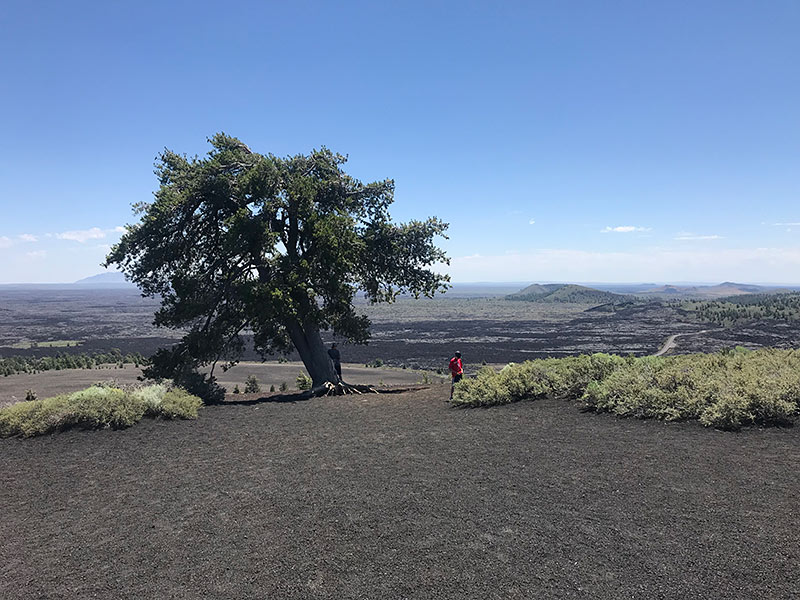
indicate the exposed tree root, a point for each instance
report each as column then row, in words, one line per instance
column 339, row 389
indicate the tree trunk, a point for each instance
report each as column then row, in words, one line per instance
column 309, row 345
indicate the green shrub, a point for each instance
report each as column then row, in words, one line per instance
column 97, row 407
column 303, row 381
column 179, row 404
column 726, row 390
column 33, row 418
column 284, row 387
column 152, row 396
column 533, row 379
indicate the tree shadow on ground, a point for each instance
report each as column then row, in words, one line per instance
column 277, row 398
column 304, row 397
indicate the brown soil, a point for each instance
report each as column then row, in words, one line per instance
column 400, row 496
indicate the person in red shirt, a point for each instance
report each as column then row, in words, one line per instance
column 456, row 371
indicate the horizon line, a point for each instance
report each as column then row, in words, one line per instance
column 82, row 283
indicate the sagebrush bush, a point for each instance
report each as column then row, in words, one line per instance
column 179, row 404
column 151, row 395
column 98, row 406
column 725, row 390
column 533, row 379
column 34, row 417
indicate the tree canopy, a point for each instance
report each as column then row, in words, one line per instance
column 238, row 242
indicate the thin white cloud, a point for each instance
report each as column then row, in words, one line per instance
column 27, row 237
column 36, row 254
column 5, row 242
column 95, row 233
column 774, row 265
column 786, row 224
column 119, row 229
column 691, row 236
column 531, row 222
column 624, row 229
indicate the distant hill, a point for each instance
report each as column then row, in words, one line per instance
column 722, row 290
column 566, row 292
column 111, row 279
column 536, row 289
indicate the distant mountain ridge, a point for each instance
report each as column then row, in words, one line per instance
column 565, row 292
column 721, row 290
column 111, row 279
column 579, row 294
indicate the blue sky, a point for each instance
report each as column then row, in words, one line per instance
column 562, row 141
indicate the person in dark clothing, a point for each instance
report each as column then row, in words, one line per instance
column 337, row 360
column 456, row 371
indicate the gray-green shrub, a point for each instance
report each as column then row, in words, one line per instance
column 532, row 379
column 726, row 390
column 97, row 407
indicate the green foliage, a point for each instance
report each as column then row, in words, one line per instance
column 97, row 407
column 303, row 381
column 151, row 396
column 240, row 241
column 251, row 385
column 30, row 396
column 284, row 387
column 179, row 404
column 236, row 389
column 551, row 377
column 30, row 364
column 745, row 308
column 375, row 364
column 272, row 388
column 727, row 390
column 168, row 402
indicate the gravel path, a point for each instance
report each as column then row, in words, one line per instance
column 670, row 343
column 400, row 496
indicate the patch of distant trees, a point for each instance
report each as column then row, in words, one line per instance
column 741, row 309
column 31, row 364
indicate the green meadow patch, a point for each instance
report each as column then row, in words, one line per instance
column 48, row 344
column 725, row 390
column 97, row 407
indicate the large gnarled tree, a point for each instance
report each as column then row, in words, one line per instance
column 239, row 242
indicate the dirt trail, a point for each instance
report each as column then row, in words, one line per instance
column 670, row 343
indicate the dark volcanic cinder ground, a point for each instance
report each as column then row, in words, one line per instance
column 417, row 334
column 400, row 496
